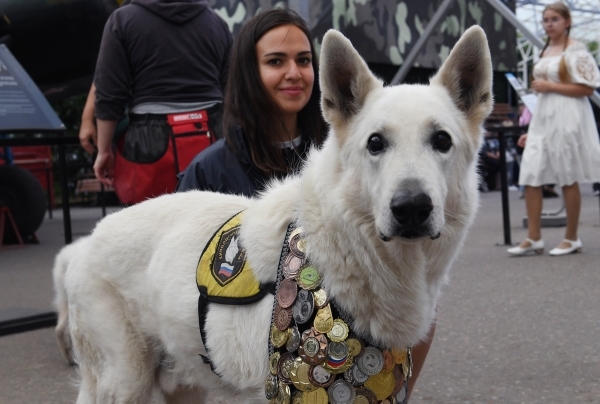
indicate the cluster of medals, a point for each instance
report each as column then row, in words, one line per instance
column 314, row 357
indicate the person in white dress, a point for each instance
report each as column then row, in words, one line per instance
column 561, row 146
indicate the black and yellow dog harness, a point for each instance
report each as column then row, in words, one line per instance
column 224, row 275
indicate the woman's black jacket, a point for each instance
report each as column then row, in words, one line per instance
column 221, row 169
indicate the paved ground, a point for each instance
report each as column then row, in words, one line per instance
column 510, row 330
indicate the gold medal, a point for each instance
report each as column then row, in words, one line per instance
column 321, row 298
column 355, row 345
column 339, row 331
column 302, row 245
column 399, row 356
column 285, row 366
column 382, row 384
column 365, row 396
column 298, row 246
column 297, row 398
column 318, row 396
column 298, row 230
column 293, row 370
column 273, row 360
column 323, row 320
column 284, row 395
column 300, row 377
column 278, row 338
column 388, row 361
column 360, row 399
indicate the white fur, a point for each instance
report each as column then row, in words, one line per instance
column 132, row 293
column 61, row 262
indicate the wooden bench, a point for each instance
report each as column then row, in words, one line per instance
column 94, row 186
column 500, row 114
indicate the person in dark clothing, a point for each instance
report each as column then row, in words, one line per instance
column 271, row 113
column 158, row 57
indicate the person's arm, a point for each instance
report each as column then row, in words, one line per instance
column 522, row 140
column 567, row 89
column 419, row 354
column 105, row 161
column 87, row 131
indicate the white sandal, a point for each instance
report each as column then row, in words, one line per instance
column 575, row 247
column 535, row 246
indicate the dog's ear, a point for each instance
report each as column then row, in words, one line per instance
column 467, row 75
column 345, row 79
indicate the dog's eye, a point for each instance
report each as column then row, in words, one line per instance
column 376, row 144
column 442, row 142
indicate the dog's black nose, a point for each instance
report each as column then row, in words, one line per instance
column 411, row 209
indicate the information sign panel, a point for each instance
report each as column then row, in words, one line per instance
column 22, row 105
column 528, row 98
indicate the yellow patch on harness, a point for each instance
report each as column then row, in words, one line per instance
column 223, row 273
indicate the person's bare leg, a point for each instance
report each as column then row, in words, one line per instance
column 419, row 354
column 533, row 203
column 572, row 198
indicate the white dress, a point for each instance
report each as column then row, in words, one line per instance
column 562, row 142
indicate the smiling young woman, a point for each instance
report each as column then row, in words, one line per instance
column 272, row 114
column 286, row 71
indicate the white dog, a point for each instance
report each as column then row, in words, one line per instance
column 61, row 262
column 385, row 206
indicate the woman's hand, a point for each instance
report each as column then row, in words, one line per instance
column 542, row 86
column 104, row 167
column 522, row 140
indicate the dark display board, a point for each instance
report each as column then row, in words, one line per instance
column 22, row 105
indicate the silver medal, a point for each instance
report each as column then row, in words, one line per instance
column 303, row 307
column 271, row 387
column 321, row 375
column 357, row 375
column 294, row 340
column 337, row 350
column 371, row 361
column 311, row 346
column 341, row 392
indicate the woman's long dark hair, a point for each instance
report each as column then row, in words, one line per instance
column 247, row 103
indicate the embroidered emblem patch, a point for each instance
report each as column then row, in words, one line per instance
column 229, row 258
column 223, row 274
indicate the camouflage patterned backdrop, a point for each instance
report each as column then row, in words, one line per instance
column 383, row 31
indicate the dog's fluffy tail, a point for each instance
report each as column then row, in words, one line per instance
column 61, row 262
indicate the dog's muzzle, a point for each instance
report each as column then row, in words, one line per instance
column 412, row 211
